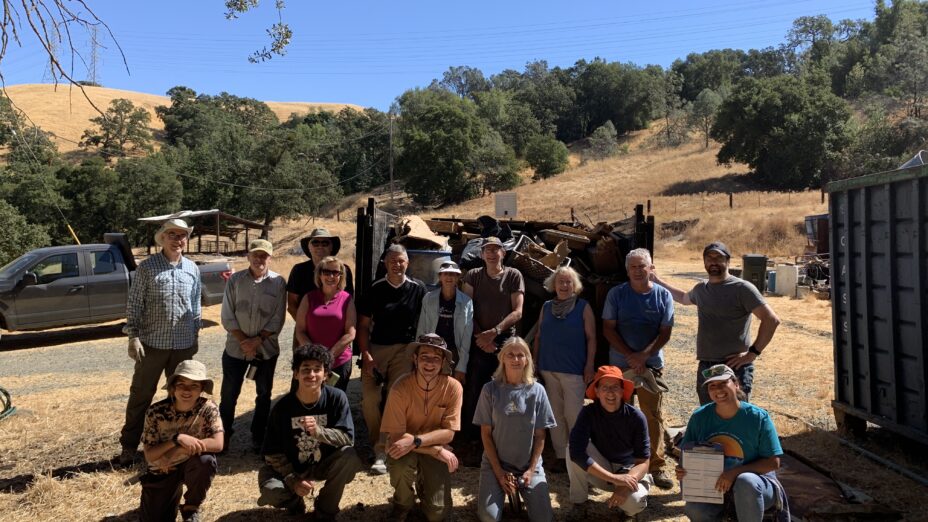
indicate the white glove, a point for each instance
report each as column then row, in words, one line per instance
column 136, row 351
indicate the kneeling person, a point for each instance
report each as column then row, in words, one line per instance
column 609, row 445
column 422, row 413
column 180, row 436
column 310, row 436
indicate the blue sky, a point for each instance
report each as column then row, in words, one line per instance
column 368, row 53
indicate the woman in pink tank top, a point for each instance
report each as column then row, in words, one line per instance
column 327, row 316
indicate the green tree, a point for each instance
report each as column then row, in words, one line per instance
column 547, row 156
column 18, row 236
column 704, row 109
column 123, row 125
column 512, row 119
column 788, row 130
column 95, row 200
column 603, row 142
column 495, row 163
column 148, row 187
column 464, row 81
column 440, row 135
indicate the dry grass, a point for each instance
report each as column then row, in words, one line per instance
column 65, row 112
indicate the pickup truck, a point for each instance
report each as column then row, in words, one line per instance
column 80, row 284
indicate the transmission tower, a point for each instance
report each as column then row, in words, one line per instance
column 94, row 57
column 51, row 73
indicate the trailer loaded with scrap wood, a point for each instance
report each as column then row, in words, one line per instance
column 535, row 248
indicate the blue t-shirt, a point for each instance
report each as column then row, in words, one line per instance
column 621, row 436
column 746, row 437
column 639, row 318
column 514, row 412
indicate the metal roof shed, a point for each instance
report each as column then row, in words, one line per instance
column 215, row 222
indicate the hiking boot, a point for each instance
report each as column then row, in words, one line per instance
column 380, row 464
column 296, row 507
column 190, row 516
column 128, row 456
column 398, row 514
column 661, row 480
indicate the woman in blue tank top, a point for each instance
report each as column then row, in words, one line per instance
column 564, row 348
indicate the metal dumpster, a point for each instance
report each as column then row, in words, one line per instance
column 879, row 244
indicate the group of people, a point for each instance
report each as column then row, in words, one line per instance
column 445, row 381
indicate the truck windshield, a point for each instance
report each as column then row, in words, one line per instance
column 18, row 264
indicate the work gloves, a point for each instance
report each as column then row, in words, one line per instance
column 136, row 351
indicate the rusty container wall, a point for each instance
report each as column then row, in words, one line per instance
column 879, row 246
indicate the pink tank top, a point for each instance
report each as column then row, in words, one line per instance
column 325, row 322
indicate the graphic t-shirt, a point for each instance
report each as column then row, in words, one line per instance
column 445, row 327
column 286, row 436
column 514, row 412
column 746, row 437
column 162, row 422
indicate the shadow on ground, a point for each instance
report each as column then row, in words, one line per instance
column 722, row 185
column 37, row 339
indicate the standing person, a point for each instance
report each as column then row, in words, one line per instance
column 253, row 311
column 310, row 436
column 449, row 312
column 752, row 451
column 609, row 447
column 387, row 316
column 318, row 244
column 423, row 411
column 725, row 305
column 498, row 292
column 565, row 345
column 181, row 436
column 162, row 322
column 513, row 414
column 327, row 316
column 637, row 321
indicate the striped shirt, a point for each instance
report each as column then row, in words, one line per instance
column 252, row 305
column 164, row 303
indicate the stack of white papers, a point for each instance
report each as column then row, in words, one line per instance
column 703, row 464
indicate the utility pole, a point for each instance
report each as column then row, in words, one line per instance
column 94, row 56
column 391, row 157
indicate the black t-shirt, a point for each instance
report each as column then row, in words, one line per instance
column 445, row 326
column 285, row 436
column 394, row 311
column 302, row 279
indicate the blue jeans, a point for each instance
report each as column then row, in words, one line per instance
column 233, row 375
column 752, row 494
column 490, row 496
column 745, row 376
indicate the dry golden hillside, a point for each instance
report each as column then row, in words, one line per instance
column 64, row 111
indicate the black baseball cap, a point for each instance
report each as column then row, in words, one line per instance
column 719, row 247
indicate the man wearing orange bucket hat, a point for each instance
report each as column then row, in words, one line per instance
column 609, row 446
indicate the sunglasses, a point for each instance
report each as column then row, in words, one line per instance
column 432, row 340
column 318, row 242
column 331, row 273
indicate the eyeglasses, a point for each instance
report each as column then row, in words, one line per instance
column 612, row 389
column 331, row 273
column 320, row 242
column 176, row 237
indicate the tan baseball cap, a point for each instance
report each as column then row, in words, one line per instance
column 262, row 245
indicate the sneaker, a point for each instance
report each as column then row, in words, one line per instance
column 128, row 456
column 190, row 516
column 380, row 464
column 661, row 480
column 296, row 507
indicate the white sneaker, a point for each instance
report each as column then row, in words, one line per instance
column 380, row 464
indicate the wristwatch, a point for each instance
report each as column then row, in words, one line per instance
column 174, row 439
column 754, row 350
column 416, row 441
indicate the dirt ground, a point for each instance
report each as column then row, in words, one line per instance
column 70, row 387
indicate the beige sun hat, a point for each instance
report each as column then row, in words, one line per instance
column 171, row 224
column 193, row 370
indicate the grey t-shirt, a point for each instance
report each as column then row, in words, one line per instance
column 724, row 317
column 515, row 412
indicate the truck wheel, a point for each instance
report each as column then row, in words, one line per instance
column 849, row 424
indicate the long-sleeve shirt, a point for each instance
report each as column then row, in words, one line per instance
column 620, row 436
column 252, row 305
column 163, row 308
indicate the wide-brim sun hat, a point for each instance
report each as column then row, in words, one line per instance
column 610, row 372
column 321, row 233
column 171, row 224
column 193, row 370
column 449, row 267
column 432, row 340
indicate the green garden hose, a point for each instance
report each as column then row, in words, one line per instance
column 7, row 403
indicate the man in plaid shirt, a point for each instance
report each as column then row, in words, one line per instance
column 162, row 322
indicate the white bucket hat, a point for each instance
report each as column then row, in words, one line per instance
column 193, row 370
